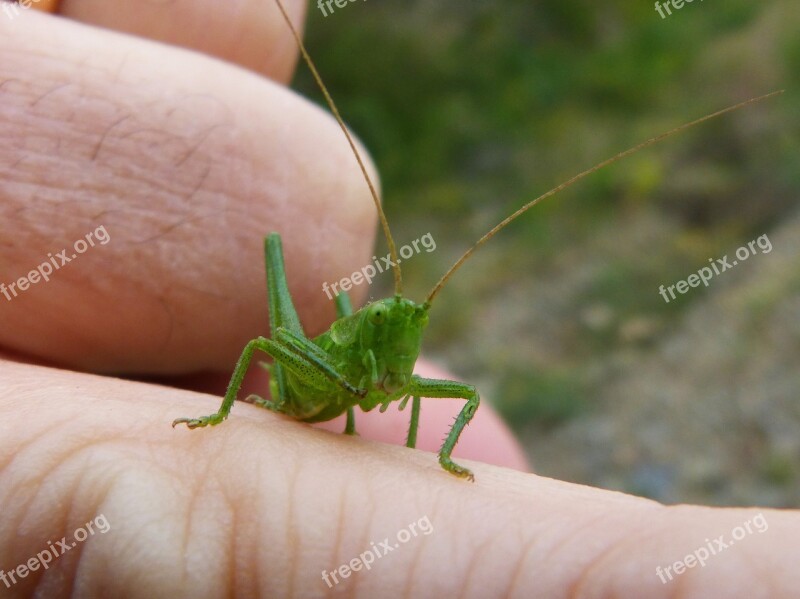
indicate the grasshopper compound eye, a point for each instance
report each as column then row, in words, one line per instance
column 377, row 314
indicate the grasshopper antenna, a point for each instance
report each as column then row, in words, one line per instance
column 398, row 277
column 502, row 224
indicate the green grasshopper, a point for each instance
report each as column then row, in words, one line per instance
column 366, row 358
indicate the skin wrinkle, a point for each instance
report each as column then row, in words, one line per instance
column 246, row 506
column 81, row 549
column 88, row 447
column 73, row 589
column 170, row 227
column 14, row 99
column 17, row 163
column 10, row 80
column 464, row 582
column 227, row 296
column 121, row 67
column 62, row 463
column 292, row 541
column 221, row 297
column 69, row 519
column 256, row 477
column 583, row 584
column 262, row 574
column 745, row 563
column 261, row 530
column 476, row 557
column 82, row 96
column 515, row 578
column 200, row 184
column 192, row 145
column 649, row 534
column 17, row 213
column 682, row 585
column 368, row 513
column 585, row 581
column 96, row 152
column 339, row 534
column 579, row 530
column 233, row 536
column 145, row 142
column 412, row 570
column 46, row 95
column 185, row 102
column 187, row 528
column 20, row 449
column 33, row 53
column 201, row 493
column 757, row 564
column 161, row 347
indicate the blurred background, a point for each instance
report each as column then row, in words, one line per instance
column 471, row 108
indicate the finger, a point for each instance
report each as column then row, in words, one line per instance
column 266, row 506
column 249, row 33
column 141, row 190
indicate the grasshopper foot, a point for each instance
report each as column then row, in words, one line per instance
column 198, row 422
column 454, row 468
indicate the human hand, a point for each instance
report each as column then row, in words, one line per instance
column 187, row 162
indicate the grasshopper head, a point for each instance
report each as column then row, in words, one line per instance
column 393, row 330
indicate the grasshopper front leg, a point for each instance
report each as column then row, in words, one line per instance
column 310, row 366
column 233, row 387
column 438, row 388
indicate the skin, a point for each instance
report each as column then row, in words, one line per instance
column 264, row 504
